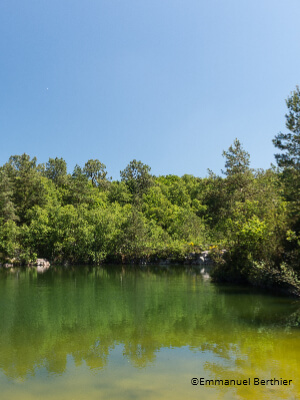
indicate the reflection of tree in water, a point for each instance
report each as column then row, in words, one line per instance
column 262, row 310
column 140, row 354
column 95, row 356
column 85, row 313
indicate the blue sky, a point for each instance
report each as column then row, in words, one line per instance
column 171, row 83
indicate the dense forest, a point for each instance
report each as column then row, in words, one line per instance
column 84, row 217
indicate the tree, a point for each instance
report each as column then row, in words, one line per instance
column 95, row 171
column 290, row 142
column 79, row 188
column 239, row 175
column 56, row 170
column 119, row 193
column 28, row 183
column 174, row 189
column 137, row 177
column 134, row 237
column 289, row 162
column 237, row 159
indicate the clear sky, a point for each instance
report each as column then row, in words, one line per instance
column 171, row 83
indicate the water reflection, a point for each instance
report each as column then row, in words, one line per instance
column 85, row 316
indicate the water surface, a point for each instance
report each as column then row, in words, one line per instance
column 131, row 333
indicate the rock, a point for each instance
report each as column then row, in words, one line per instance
column 42, row 265
column 42, row 262
column 202, row 259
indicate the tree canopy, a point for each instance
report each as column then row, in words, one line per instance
column 137, row 177
column 237, row 159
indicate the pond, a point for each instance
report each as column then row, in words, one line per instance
column 143, row 333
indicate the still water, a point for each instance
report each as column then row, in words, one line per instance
column 131, row 333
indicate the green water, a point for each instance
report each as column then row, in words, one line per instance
column 125, row 333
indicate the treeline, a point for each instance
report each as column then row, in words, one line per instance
column 84, row 217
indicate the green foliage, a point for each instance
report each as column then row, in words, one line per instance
column 157, row 207
column 119, row 193
column 66, row 218
column 9, row 241
column 134, row 237
column 253, row 218
column 95, row 171
column 237, row 159
column 187, row 226
column 174, row 189
column 27, row 182
column 56, row 170
column 137, row 177
column 281, row 277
